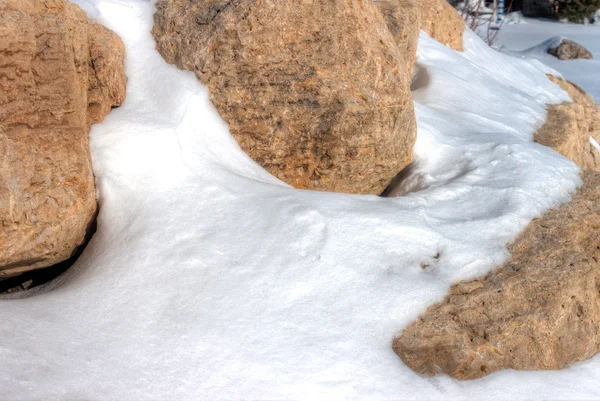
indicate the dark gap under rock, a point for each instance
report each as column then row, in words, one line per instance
column 408, row 180
column 35, row 278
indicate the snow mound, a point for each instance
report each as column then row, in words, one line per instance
column 544, row 47
column 515, row 17
column 585, row 73
column 538, row 51
column 210, row 279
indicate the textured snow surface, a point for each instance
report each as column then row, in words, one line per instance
column 515, row 39
column 209, row 279
column 527, row 40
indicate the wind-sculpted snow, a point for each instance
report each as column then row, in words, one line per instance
column 210, row 279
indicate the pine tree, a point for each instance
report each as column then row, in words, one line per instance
column 578, row 11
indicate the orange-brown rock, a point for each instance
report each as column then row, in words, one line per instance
column 58, row 74
column 569, row 126
column 403, row 20
column 317, row 92
column 540, row 310
column 566, row 49
column 442, row 22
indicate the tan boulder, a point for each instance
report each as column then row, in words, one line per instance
column 316, row 92
column 442, row 22
column 569, row 126
column 403, row 20
column 406, row 18
column 106, row 76
column 540, row 310
column 58, row 75
column 568, row 50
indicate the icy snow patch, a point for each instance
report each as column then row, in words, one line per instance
column 210, row 279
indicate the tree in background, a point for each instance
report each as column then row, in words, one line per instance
column 580, row 11
column 482, row 17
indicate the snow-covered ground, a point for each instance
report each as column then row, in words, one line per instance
column 528, row 35
column 209, row 279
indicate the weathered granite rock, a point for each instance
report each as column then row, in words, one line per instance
column 442, row 22
column 58, row 75
column 406, row 18
column 317, row 92
column 569, row 126
column 540, row 310
column 106, row 75
column 569, row 50
column 403, row 20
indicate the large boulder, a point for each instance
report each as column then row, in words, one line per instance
column 566, row 49
column 540, row 310
column 316, row 92
column 403, row 20
column 442, row 22
column 569, row 126
column 406, row 18
column 58, row 75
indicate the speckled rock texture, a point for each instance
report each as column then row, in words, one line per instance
column 540, row 310
column 569, row 126
column 569, row 50
column 403, row 20
column 58, row 75
column 317, row 92
column 442, row 22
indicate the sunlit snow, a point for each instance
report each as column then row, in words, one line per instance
column 210, row 279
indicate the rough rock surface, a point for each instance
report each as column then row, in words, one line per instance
column 569, row 50
column 403, row 20
column 540, row 310
column 442, row 22
column 58, row 74
column 316, row 92
column 569, row 126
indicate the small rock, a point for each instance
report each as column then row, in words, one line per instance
column 540, row 310
column 569, row 50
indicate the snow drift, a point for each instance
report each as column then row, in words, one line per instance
column 210, row 279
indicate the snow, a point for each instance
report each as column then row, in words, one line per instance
column 596, row 145
column 527, row 40
column 514, row 40
column 210, row 279
column 539, row 51
column 515, row 17
column 474, row 6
